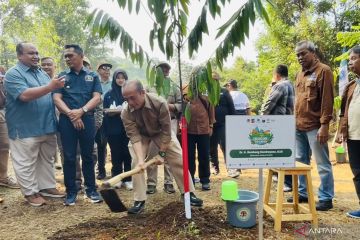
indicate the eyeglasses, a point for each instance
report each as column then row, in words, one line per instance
column 106, row 68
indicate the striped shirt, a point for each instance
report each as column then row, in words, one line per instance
column 281, row 99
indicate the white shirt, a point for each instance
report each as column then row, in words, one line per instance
column 241, row 101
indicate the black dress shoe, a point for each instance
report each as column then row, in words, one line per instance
column 301, row 199
column 205, row 187
column 195, row 201
column 169, row 188
column 137, row 208
column 151, row 189
column 324, row 205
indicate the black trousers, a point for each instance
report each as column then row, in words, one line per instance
column 354, row 160
column 217, row 138
column 120, row 155
column 101, row 142
column 202, row 144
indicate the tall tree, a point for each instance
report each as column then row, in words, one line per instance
column 48, row 24
column 170, row 31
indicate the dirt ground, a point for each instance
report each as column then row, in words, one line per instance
column 164, row 215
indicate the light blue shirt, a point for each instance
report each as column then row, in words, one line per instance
column 106, row 86
column 28, row 119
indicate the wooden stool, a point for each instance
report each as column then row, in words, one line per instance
column 275, row 209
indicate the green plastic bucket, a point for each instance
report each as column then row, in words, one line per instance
column 340, row 154
column 229, row 190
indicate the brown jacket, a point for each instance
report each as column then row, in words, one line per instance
column 202, row 116
column 151, row 121
column 345, row 103
column 314, row 97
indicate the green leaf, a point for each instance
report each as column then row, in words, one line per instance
column 209, row 69
column 160, row 38
column 204, row 26
column 121, row 3
column 228, row 23
column 184, row 5
column 148, row 71
column 187, row 113
column 151, row 39
column 152, row 77
column 138, row 6
column 141, row 57
column 159, row 80
column 166, row 87
column 183, row 22
column 129, row 6
column 90, row 17
column 212, row 7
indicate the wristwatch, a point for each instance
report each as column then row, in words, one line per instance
column 162, row 154
column 85, row 109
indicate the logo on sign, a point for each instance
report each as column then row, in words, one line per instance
column 259, row 136
column 243, row 214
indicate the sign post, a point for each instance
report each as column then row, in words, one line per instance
column 258, row 142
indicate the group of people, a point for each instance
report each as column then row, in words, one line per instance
column 80, row 112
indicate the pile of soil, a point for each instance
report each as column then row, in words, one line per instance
column 167, row 223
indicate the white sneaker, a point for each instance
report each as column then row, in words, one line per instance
column 128, row 185
column 118, row 185
column 275, row 178
column 287, row 188
column 233, row 173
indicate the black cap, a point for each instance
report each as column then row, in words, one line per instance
column 233, row 83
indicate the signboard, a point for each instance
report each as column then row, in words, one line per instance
column 266, row 141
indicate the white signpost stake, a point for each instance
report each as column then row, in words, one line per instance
column 261, row 204
column 266, row 141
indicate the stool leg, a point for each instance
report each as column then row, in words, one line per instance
column 295, row 193
column 279, row 201
column 267, row 188
column 311, row 199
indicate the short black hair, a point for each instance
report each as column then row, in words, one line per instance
column 355, row 50
column 76, row 48
column 282, row 70
column 20, row 48
column 308, row 44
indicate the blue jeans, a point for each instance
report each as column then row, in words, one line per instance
column 70, row 137
column 306, row 144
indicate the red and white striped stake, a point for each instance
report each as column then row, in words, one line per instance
column 184, row 142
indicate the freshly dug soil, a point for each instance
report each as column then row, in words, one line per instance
column 167, row 223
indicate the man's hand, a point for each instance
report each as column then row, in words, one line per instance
column 56, row 83
column 171, row 107
column 141, row 165
column 78, row 124
column 159, row 160
column 75, row 114
column 339, row 138
column 323, row 134
column 211, row 132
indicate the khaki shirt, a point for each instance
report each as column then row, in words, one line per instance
column 314, row 97
column 151, row 121
column 174, row 97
